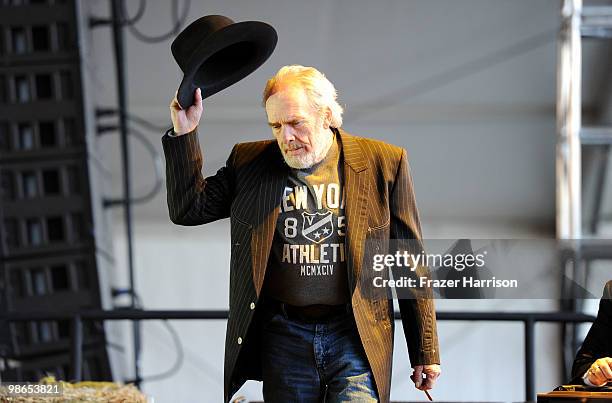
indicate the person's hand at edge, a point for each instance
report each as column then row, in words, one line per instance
column 600, row 372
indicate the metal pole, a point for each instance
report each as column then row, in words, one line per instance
column 77, row 348
column 529, row 360
column 117, row 16
column 568, row 159
column 569, row 70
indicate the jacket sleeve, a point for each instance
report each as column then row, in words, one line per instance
column 596, row 343
column 417, row 310
column 193, row 199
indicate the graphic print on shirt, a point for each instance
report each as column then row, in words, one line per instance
column 317, row 230
column 312, row 225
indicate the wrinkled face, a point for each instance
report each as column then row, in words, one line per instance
column 301, row 131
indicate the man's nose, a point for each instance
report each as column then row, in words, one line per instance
column 287, row 133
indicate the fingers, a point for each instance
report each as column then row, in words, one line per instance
column 427, row 384
column 431, row 375
column 198, row 97
column 605, row 367
column 196, row 108
column 600, row 371
column 417, row 376
column 174, row 104
column 431, row 372
column 194, row 112
column 596, row 377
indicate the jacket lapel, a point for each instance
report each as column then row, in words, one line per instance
column 266, row 209
column 356, row 187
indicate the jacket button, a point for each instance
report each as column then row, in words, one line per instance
column 239, row 340
column 252, row 306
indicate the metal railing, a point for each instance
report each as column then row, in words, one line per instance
column 529, row 319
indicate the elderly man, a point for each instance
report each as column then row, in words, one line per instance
column 593, row 362
column 301, row 208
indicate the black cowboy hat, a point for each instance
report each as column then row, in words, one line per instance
column 214, row 52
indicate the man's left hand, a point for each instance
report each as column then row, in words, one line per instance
column 432, row 372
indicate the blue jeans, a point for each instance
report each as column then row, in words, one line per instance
column 314, row 362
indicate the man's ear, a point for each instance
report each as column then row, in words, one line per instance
column 327, row 117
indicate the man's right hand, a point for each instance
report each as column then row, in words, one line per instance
column 186, row 120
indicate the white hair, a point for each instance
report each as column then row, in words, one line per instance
column 320, row 91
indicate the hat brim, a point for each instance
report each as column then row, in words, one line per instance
column 226, row 57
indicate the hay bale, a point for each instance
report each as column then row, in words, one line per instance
column 87, row 391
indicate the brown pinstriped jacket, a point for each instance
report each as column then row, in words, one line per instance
column 380, row 204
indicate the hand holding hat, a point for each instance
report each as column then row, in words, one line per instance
column 186, row 120
column 214, row 52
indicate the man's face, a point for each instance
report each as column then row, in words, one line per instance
column 302, row 133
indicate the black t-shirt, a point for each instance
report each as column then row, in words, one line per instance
column 307, row 263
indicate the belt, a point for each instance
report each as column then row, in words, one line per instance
column 316, row 313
